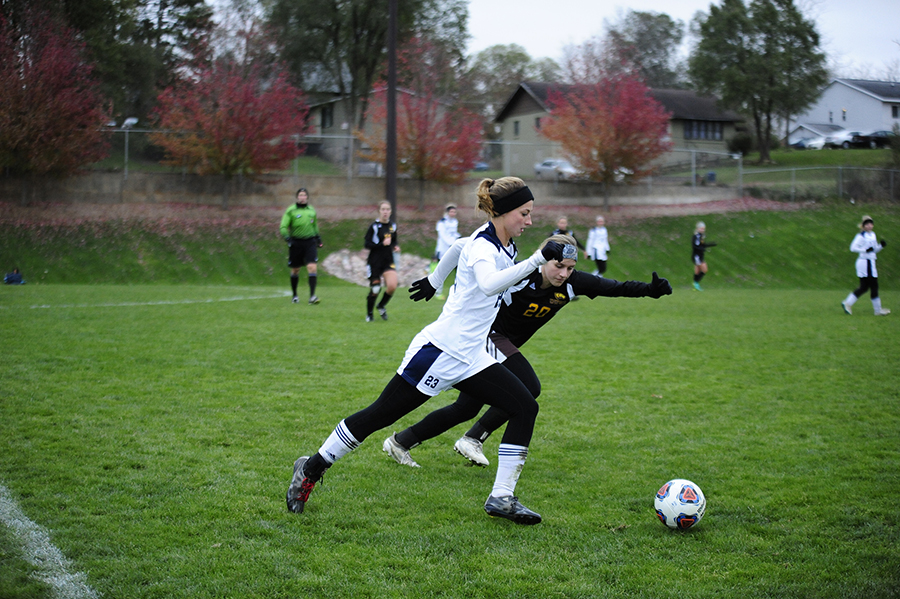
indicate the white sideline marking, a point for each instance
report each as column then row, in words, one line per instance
column 165, row 302
column 37, row 549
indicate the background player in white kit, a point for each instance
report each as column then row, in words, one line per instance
column 867, row 246
column 450, row 353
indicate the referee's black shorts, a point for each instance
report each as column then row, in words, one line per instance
column 302, row 252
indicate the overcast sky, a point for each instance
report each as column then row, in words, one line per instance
column 857, row 35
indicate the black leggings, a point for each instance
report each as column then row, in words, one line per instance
column 865, row 284
column 495, row 386
column 467, row 407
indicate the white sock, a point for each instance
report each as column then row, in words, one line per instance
column 510, row 461
column 338, row 444
column 851, row 299
column 876, row 304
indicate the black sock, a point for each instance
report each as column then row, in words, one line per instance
column 315, row 467
column 385, row 298
column 478, row 432
column 700, row 276
column 370, row 303
column 312, row 284
column 294, row 279
column 406, row 439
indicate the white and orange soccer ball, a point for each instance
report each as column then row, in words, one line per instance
column 680, row 504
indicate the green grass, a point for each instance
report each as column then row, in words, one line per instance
column 151, row 428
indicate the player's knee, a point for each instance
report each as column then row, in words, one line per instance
column 374, row 288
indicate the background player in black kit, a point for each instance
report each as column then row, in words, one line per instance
column 381, row 241
column 531, row 305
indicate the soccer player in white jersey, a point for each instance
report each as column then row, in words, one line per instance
column 867, row 246
column 450, row 352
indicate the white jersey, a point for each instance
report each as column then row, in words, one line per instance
column 597, row 243
column 469, row 311
column 448, row 231
column 865, row 264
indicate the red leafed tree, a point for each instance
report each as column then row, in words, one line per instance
column 51, row 112
column 611, row 129
column 436, row 139
column 230, row 120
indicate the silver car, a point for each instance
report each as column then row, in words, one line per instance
column 555, row 168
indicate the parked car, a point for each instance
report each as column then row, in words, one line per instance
column 841, row 139
column 481, row 166
column 809, row 143
column 816, row 143
column 875, row 139
column 555, row 168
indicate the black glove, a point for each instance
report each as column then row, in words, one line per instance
column 710, row 245
column 871, row 249
column 883, row 243
column 659, row 287
column 319, row 241
column 421, row 290
column 288, row 241
column 552, row 251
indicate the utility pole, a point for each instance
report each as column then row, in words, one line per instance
column 391, row 158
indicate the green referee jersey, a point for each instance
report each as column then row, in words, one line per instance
column 299, row 222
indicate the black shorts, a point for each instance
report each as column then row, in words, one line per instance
column 377, row 265
column 302, row 252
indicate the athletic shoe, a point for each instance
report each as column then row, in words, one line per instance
column 369, row 318
column 846, row 308
column 383, row 313
column 509, row 507
column 883, row 312
column 298, row 492
column 296, row 300
column 314, row 299
column 396, row 451
column 697, row 286
column 472, row 450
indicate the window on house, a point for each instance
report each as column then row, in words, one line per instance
column 843, row 114
column 830, row 117
column 895, row 112
column 707, row 130
column 327, row 116
column 516, row 128
column 537, row 122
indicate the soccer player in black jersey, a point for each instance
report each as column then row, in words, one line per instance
column 532, row 303
column 381, row 241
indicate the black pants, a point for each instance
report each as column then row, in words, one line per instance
column 866, row 284
column 495, row 386
column 467, row 407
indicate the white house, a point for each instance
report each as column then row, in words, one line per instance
column 852, row 105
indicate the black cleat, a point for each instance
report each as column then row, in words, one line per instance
column 298, row 492
column 509, row 507
column 383, row 313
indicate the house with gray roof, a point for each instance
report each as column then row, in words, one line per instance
column 697, row 123
column 852, row 105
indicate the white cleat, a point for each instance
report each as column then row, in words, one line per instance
column 883, row 312
column 400, row 455
column 846, row 308
column 472, row 450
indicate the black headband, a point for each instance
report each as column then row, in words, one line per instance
column 512, row 201
column 868, row 220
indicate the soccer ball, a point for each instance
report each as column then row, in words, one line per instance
column 680, row 504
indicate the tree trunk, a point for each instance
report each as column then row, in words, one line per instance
column 421, row 194
column 226, row 192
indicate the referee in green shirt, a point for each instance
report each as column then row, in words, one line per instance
column 300, row 229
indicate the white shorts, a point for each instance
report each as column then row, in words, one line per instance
column 431, row 370
column 862, row 268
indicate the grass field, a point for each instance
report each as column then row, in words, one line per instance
column 150, row 429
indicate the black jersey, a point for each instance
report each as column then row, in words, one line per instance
column 699, row 245
column 531, row 307
column 374, row 241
